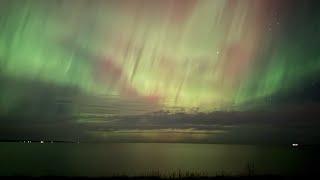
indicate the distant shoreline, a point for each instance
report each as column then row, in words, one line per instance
column 147, row 142
column 36, row 141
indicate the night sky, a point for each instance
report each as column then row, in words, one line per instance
column 212, row 71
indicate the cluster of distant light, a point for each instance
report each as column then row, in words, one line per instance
column 42, row 142
column 207, row 55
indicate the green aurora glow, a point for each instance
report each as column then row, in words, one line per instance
column 210, row 55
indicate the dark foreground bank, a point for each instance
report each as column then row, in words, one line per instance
column 164, row 178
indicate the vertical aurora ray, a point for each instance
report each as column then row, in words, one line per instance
column 210, row 54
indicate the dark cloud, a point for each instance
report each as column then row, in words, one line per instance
column 44, row 110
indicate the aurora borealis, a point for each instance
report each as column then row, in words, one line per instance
column 105, row 64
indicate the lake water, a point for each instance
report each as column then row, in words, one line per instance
column 87, row 159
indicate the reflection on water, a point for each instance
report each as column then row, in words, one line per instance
column 139, row 158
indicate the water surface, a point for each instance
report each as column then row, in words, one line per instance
column 86, row 159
